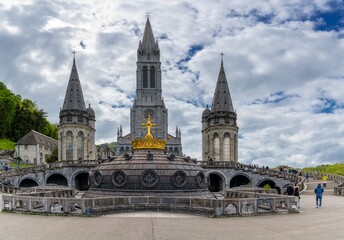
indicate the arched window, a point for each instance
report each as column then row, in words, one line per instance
column 80, row 149
column 235, row 148
column 226, row 147
column 69, row 147
column 152, row 77
column 216, row 147
column 145, row 77
column 176, row 150
column 121, row 150
column 61, row 146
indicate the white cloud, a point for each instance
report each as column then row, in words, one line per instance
column 274, row 58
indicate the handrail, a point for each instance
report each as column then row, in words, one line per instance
column 263, row 171
column 43, row 167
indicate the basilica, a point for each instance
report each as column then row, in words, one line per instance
column 77, row 123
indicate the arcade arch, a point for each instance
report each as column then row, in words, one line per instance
column 239, row 180
column 57, row 179
column 216, row 182
column 28, row 182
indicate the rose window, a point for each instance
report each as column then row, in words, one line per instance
column 119, row 178
column 97, row 178
column 200, row 179
column 179, row 178
column 149, row 178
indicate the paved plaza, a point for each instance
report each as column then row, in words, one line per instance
column 311, row 223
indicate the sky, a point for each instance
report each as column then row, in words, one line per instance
column 284, row 61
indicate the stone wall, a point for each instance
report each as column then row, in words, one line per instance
column 246, row 204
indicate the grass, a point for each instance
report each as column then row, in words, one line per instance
column 337, row 168
column 6, row 144
column 21, row 165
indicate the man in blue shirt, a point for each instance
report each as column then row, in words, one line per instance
column 318, row 194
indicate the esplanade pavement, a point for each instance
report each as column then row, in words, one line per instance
column 311, row 223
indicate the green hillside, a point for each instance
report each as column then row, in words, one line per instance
column 337, row 168
column 19, row 116
column 6, row 144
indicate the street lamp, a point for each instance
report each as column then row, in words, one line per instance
column 18, row 156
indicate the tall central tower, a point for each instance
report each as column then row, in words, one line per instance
column 148, row 88
column 149, row 101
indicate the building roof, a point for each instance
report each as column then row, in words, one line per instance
column 74, row 99
column 222, row 101
column 148, row 41
column 34, row 138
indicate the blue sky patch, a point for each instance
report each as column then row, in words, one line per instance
column 182, row 64
column 276, row 97
column 332, row 20
column 328, row 106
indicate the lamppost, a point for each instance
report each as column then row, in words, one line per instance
column 18, row 156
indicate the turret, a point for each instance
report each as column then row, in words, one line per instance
column 77, row 124
column 219, row 127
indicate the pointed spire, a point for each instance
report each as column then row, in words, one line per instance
column 74, row 99
column 222, row 101
column 148, row 41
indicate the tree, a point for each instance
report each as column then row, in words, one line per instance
column 53, row 156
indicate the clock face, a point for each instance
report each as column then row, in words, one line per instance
column 149, row 112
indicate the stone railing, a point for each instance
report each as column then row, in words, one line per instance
column 8, row 189
column 262, row 171
column 38, row 192
column 251, row 205
column 44, row 167
column 339, row 189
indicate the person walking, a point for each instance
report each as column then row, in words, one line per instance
column 318, row 195
column 297, row 194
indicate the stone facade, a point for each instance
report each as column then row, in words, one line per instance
column 149, row 100
column 77, row 124
column 34, row 147
column 219, row 128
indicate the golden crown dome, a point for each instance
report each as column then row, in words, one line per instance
column 148, row 142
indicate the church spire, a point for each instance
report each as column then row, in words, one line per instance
column 222, row 101
column 74, row 99
column 148, row 50
column 148, row 41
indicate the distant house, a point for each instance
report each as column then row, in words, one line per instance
column 34, row 147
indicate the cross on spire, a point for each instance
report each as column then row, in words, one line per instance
column 74, row 52
column 222, row 54
column 148, row 15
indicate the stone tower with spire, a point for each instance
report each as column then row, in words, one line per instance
column 219, row 127
column 77, row 124
column 149, row 100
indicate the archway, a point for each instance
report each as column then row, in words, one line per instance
column 81, row 181
column 269, row 184
column 215, row 182
column 239, row 180
column 28, row 182
column 57, row 179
